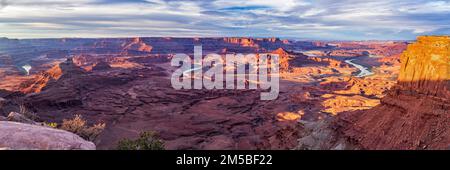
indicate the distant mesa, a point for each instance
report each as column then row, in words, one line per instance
column 137, row 44
column 245, row 42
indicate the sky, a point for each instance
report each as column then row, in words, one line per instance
column 294, row 19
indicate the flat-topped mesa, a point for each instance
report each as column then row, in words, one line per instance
column 425, row 67
column 245, row 42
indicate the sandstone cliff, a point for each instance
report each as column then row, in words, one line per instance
column 425, row 66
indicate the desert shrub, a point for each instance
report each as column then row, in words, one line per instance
column 146, row 141
column 51, row 124
column 27, row 113
column 78, row 126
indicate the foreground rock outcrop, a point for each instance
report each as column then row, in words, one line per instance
column 20, row 136
column 413, row 115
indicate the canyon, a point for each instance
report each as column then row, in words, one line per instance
column 325, row 102
column 413, row 115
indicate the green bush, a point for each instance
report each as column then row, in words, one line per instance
column 146, row 141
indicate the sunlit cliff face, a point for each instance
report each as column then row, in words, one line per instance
column 425, row 65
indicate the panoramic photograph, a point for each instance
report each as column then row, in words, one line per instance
column 224, row 75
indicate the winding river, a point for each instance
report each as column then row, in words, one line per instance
column 364, row 71
column 196, row 67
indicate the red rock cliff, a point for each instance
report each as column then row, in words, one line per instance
column 424, row 67
column 415, row 113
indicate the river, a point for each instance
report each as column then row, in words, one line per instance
column 364, row 71
column 196, row 67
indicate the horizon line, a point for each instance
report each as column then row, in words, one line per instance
column 179, row 37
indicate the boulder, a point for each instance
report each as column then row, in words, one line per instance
column 17, row 117
column 20, row 136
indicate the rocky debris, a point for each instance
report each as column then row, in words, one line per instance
column 2, row 118
column 17, row 117
column 19, row 136
column 318, row 135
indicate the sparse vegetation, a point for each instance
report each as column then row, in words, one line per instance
column 78, row 126
column 20, row 107
column 27, row 113
column 146, row 141
column 51, row 124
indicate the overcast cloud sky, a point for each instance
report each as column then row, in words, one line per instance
column 303, row 19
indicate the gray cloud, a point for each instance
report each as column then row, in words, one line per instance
column 3, row 4
column 320, row 19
